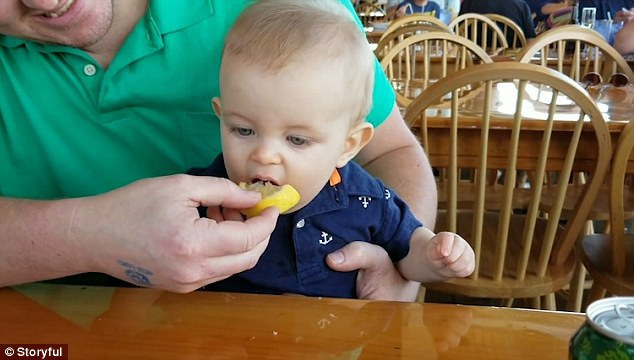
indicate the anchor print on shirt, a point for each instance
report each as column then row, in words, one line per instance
column 365, row 201
column 325, row 238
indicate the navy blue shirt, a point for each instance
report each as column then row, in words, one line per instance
column 605, row 6
column 359, row 208
column 516, row 10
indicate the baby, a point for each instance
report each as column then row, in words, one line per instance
column 295, row 87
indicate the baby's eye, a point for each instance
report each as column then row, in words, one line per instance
column 297, row 141
column 243, row 131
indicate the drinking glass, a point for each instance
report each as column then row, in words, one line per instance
column 588, row 17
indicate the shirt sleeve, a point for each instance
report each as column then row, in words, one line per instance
column 527, row 22
column 383, row 96
column 397, row 227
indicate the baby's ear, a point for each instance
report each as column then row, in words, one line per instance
column 358, row 137
column 216, row 105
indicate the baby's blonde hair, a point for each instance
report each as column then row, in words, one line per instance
column 275, row 33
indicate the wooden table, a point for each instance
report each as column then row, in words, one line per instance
column 125, row 323
column 616, row 104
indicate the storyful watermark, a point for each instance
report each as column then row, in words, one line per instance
column 33, row 351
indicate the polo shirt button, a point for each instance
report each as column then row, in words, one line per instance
column 90, row 70
column 300, row 224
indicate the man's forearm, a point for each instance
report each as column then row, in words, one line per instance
column 33, row 240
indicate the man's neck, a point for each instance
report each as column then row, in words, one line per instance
column 126, row 14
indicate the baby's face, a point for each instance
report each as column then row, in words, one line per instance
column 290, row 127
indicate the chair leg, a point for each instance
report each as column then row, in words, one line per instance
column 577, row 284
column 575, row 295
column 596, row 293
column 550, row 303
column 421, row 295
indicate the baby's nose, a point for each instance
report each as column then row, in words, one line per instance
column 266, row 152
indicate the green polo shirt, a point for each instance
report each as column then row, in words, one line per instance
column 70, row 128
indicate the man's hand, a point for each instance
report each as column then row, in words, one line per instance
column 378, row 278
column 149, row 233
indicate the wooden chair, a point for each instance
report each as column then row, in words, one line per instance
column 419, row 60
column 407, row 20
column 396, row 35
column 609, row 257
column 575, row 51
column 512, row 32
column 481, row 30
column 520, row 251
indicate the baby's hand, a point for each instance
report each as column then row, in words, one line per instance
column 451, row 255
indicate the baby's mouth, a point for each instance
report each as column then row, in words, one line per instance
column 263, row 181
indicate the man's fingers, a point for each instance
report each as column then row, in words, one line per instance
column 234, row 237
column 356, row 256
column 233, row 264
column 212, row 191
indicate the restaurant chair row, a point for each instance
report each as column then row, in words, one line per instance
column 415, row 55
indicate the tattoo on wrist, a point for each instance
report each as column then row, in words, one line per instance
column 137, row 275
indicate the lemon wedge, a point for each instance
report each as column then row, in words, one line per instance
column 283, row 197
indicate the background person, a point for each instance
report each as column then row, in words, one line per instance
column 624, row 38
column 624, row 15
column 516, row 10
column 409, row 7
column 606, row 9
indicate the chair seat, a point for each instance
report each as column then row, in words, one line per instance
column 486, row 286
column 506, row 288
column 595, row 251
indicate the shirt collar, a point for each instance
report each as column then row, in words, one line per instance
column 345, row 182
column 170, row 15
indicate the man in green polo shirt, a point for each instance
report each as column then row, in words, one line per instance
column 102, row 103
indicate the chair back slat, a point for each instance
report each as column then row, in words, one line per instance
column 618, row 187
column 513, row 33
column 534, row 208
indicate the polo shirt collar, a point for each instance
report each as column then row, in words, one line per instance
column 170, row 15
column 336, row 194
